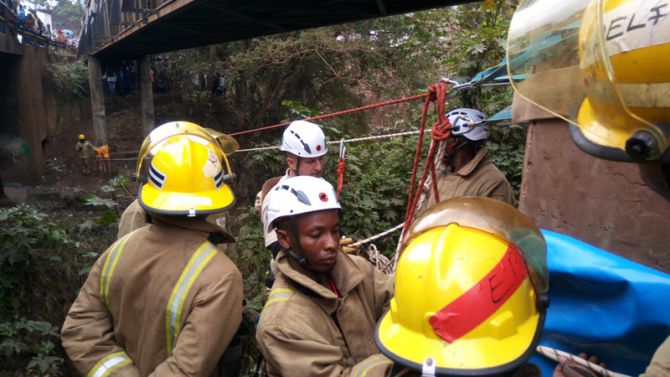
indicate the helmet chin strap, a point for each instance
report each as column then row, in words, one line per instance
column 450, row 150
column 297, row 254
column 296, row 172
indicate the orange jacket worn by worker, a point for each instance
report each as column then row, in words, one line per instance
column 163, row 300
column 298, row 333
column 102, row 152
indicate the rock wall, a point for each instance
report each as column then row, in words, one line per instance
column 29, row 113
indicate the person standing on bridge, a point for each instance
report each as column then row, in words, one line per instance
column 163, row 300
column 86, row 152
column 465, row 168
column 110, row 75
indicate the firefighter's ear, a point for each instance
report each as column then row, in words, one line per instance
column 283, row 238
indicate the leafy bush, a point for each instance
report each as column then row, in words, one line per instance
column 29, row 346
column 27, row 238
column 69, row 78
column 33, row 249
column 506, row 146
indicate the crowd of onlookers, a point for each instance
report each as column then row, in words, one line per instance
column 121, row 80
column 26, row 22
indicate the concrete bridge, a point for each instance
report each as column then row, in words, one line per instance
column 116, row 30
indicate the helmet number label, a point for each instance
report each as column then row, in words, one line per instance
column 636, row 25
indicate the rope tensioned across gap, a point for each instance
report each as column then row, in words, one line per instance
column 337, row 113
column 352, row 140
column 377, row 236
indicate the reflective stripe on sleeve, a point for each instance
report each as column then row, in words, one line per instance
column 278, row 295
column 198, row 261
column 374, row 362
column 109, row 364
column 109, row 266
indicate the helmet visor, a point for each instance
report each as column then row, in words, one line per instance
column 600, row 65
column 494, row 217
column 227, row 143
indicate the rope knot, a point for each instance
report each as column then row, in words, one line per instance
column 441, row 130
column 341, row 169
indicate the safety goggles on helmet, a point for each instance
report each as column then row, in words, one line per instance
column 468, row 123
column 304, row 139
column 186, row 177
column 470, row 291
column 299, row 195
column 602, row 65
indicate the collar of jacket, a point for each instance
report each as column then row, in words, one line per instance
column 471, row 166
column 346, row 275
column 197, row 225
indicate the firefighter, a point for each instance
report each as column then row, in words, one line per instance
column 163, row 299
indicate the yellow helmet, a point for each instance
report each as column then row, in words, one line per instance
column 225, row 143
column 604, row 66
column 82, row 137
column 470, row 291
column 186, row 177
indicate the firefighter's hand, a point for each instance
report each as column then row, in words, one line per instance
column 569, row 368
column 346, row 246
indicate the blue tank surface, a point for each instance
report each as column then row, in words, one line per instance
column 603, row 304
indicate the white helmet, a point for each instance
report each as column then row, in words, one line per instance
column 468, row 123
column 299, row 195
column 304, row 139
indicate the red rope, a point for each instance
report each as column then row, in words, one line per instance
column 323, row 116
column 337, row 113
column 341, row 169
column 441, row 130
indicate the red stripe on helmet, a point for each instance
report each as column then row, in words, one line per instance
column 477, row 304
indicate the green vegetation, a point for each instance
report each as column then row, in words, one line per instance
column 68, row 79
column 43, row 262
column 33, row 249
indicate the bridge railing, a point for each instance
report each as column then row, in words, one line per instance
column 9, row 23
column 105, row 19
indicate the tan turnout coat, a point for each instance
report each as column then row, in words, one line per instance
column 161, row 301
column 479, row 177
column 86, row 149
column 304, row 330
column 133, row 217
column 660, row 363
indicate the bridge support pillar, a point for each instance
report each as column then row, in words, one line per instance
column 97, row 101
column 146, row 94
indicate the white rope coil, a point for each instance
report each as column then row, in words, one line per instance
column 560, row 356
column 379, row 260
